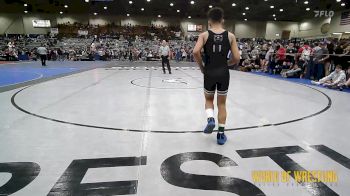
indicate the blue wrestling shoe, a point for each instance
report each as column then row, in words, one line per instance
column 210, row 126
column 221, row 138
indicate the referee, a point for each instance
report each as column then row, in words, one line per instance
column 42, row 51
column 164, row 51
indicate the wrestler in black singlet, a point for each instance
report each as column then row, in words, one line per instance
column 216, row 72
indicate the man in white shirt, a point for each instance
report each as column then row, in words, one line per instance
column 164, row 51
column 42, row 51
column 336, row 79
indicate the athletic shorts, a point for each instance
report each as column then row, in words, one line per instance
column 219, row 83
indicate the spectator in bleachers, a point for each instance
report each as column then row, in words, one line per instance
column 245, row 54
column 248, row 65
column 280, row 55
column 262, row 54
column 255, row 56
column 268, row 58
column 184, row 54
column 60, row 54
column 339, row 50
column 304, row 52
column 347, row 83
column 345, row 57
column 178, row 55
column 291, row 54
column 304, row 60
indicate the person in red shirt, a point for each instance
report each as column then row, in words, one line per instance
column 303, row 58
column 301, row 49
column 281, row 55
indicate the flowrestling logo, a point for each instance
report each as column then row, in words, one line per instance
column 324, row 13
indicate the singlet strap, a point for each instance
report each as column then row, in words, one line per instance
column 223, row 33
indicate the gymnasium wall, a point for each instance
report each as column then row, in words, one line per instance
column 28, row 24
column 13, row 24
column 134, row 21
column 312, row 27
column 72, row 19
column 274, row 29
column 250, row 29
column 335, row 24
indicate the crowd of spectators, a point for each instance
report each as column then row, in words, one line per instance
column 128, row 31
column 20, row 47
column 93, row 48
column 325, row 61
column 128, row 42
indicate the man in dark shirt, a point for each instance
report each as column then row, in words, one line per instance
column 291, row 52
column 331, row 48
column 321, row 54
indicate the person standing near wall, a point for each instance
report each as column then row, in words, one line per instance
column 42, row 51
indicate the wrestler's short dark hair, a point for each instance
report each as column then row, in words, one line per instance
column 216, row 14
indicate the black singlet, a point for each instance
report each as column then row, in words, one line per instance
column 216, row 72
